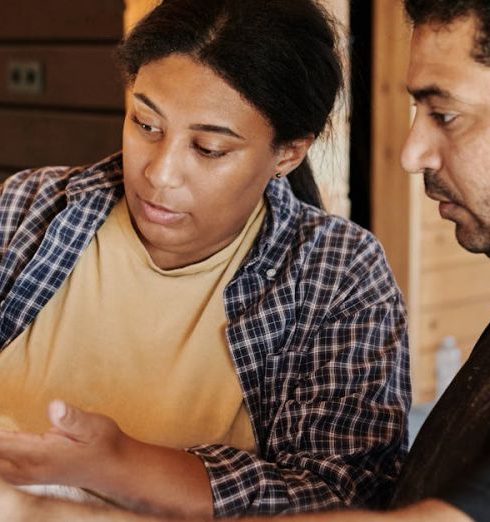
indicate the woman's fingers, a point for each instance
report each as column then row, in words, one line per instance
column 79, row 425
column 70, row 453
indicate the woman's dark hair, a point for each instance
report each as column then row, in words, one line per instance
column 280, row 55
column 445, row 12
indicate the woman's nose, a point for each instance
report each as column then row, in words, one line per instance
column 164, row 169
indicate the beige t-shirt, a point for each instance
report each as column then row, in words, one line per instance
column 143, row 345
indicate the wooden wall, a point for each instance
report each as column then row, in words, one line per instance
column 70, row 111
column 391, row 121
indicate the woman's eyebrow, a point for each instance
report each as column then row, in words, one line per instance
column 144, row 99
column 220, row 129
column 215, row 128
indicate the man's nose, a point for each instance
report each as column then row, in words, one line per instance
column 165, row 167
column 421, row 151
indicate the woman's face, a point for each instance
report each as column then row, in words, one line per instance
column 197, row 158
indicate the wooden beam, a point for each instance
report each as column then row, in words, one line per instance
column 391, row 119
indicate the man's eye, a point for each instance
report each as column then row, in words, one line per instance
column 443, row 118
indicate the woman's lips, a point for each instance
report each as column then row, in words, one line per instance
column 161, row 215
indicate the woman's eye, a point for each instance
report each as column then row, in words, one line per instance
column 209, row 153
column 145, row 127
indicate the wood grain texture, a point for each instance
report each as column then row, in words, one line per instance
column 38, row 138
column 454, row 284
column 70, row 20
column 390, row 185
column 463, row 320
column 83, row 76
column 440, row 249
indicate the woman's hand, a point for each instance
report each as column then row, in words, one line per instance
column 70, row 453
column 11, row 503
column 16, row 506
column 89, row 450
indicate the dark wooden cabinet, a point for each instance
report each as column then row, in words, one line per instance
column 61, row 95
column 69, row 20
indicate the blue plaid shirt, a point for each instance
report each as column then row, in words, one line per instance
column 316, row 330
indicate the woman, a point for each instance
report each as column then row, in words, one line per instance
column 236, row 345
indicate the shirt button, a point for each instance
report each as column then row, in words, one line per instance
column 270, row 273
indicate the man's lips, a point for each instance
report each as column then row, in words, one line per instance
column 437, row 198
column 160, row 214
column 447, row 207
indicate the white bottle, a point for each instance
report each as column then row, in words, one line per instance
column 448, row 363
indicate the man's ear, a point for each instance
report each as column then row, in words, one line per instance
column 291, row 154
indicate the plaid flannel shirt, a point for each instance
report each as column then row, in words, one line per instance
column 316, row 330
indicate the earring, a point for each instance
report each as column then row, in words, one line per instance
column 278, row 175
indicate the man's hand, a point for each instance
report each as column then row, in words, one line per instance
column 70, row 453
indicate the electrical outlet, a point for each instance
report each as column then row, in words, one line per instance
column 25, row 77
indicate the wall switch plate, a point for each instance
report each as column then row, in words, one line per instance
column 25, row 77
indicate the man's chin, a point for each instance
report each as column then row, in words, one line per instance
column 474, row 242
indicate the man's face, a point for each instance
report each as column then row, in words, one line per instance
column 450, row 138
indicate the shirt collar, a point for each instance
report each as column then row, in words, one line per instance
column 106, row 174
column 279, row 229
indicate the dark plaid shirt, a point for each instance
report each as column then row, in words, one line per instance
column 316, row 330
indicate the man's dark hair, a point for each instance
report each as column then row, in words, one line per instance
column 280, row 55
column 447, row 11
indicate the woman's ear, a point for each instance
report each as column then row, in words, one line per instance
column 291, row 154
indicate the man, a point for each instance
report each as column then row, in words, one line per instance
column 449, row 78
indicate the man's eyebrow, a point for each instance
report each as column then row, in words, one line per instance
column 216, row 128
column 144, row 99
column 428, row 92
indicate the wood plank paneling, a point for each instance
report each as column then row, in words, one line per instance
column 430, row 211
column 391, row 120
column 440, row 248
column 36, row 138
column 464, row 320
column 73, row 76
column 455, row 284
column 61, row 20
